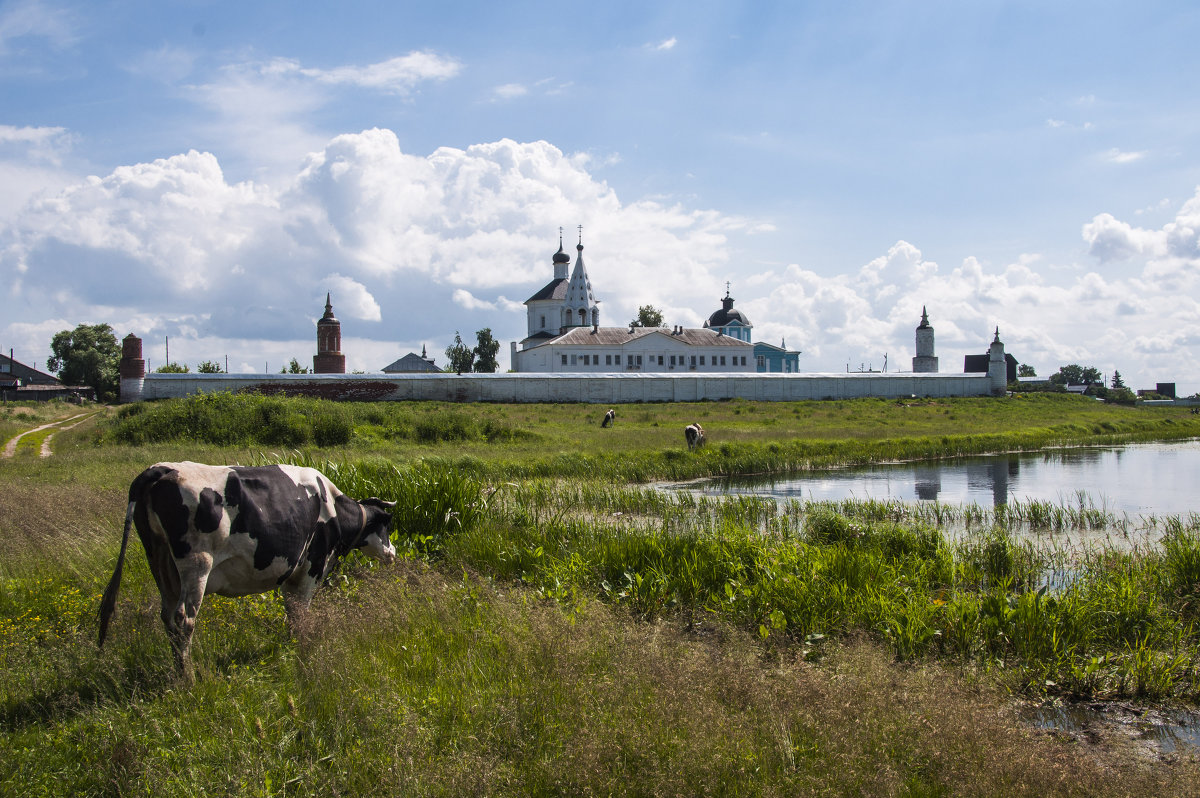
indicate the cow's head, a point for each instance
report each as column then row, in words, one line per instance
column 376, row 539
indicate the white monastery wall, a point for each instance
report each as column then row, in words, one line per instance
column 605, row 388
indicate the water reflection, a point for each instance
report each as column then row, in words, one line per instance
column 1137, row 479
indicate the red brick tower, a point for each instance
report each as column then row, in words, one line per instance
column 329, row 358
column 132, row 369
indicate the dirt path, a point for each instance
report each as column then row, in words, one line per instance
column 10, row 448
column 46, row 452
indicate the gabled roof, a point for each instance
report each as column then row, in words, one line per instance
column 412, row 362
column 27, row 373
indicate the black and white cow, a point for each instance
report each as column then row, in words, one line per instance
column 609, row 417
column 694, row 435
column 238, row 530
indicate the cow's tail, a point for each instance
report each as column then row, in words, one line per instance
column 109, row 602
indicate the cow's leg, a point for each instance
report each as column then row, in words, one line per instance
column 166, row 577
column 297, row 596
column 193, row 577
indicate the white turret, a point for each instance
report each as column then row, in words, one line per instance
column 925, row 362
column 997, row 366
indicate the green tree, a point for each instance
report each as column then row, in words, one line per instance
column 1068, row 375
column 172, row 368
column 1117, row 382
column 459, row 356
column 294, row 368
column 648, row 316
column 1121, row 396
column 1075, row 374
column 485, row 352
column 88, row 355
column 1026, row 370
column 209, row 367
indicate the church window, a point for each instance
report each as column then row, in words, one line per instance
column 693, row 361
column 564, row 362
column 702, row 360
column 639, row 360
column 672, row 360
column 543, row 322
column 761, row 361
column 659, row 359
column 617, row 359
column 608, row 360
column 722, row 360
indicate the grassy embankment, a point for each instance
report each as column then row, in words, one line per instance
column 555, row 630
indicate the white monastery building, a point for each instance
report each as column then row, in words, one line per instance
column 564, row 334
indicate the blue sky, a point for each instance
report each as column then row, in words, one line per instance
column 207, row 171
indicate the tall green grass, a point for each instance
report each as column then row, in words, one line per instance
column 1106, row 622
column 244, row 419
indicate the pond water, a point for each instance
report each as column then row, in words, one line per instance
column 1134, row 479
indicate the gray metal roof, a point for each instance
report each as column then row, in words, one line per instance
column 619, row 336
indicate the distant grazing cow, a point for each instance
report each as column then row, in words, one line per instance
column 694, row 434
column 235, row 530
column 609, row 417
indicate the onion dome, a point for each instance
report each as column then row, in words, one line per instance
column 727, row 315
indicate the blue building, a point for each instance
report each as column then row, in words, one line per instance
column 768, row 357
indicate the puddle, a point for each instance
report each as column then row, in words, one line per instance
column 1161, row 730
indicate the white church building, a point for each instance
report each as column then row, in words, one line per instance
column 564, row 334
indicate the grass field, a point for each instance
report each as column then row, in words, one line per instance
column 555, row 628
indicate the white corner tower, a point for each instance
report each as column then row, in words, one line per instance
column 997, row 366
column 925, row 362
